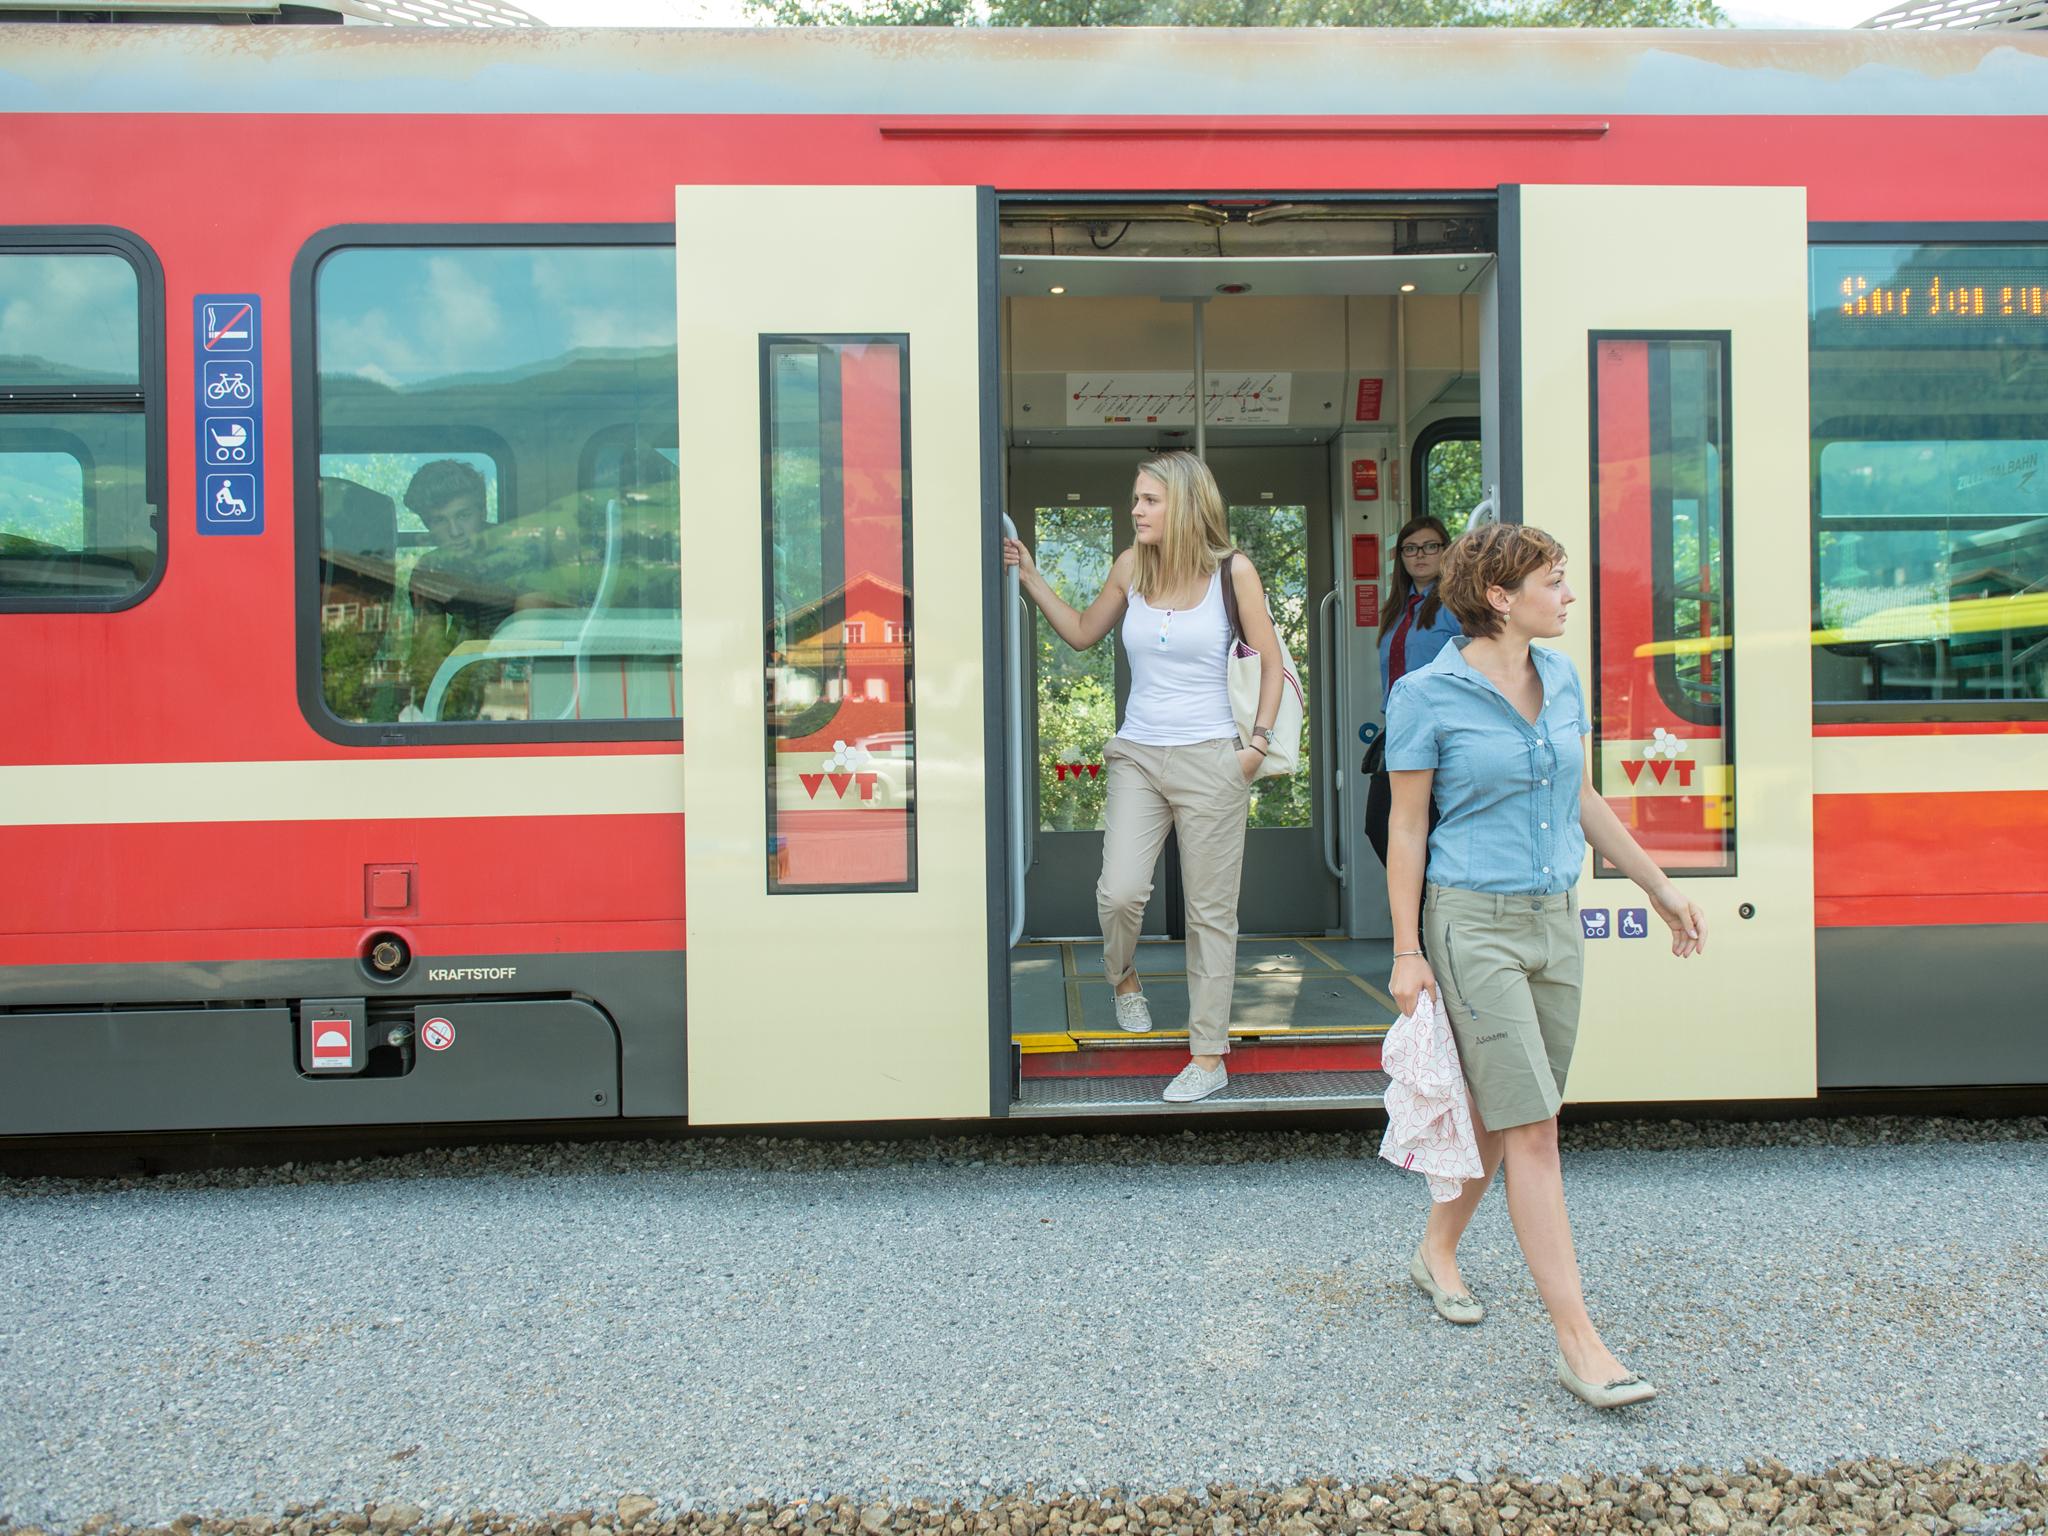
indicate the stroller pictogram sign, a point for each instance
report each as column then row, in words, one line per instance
column 230, row 440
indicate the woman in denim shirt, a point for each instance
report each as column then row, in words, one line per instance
column 1493, row 728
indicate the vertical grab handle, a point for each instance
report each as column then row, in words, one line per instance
column 1013, row 736
column 1488, row 510
column 1326, row 747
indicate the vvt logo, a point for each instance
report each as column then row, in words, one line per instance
column 845, row 770
column 1071, row 765
column 1661, row 757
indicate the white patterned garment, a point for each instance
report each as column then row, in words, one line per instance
column 1429, row 1116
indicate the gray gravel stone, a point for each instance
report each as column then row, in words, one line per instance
column 488, row 1336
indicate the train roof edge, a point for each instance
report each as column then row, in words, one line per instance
column 1037, row 73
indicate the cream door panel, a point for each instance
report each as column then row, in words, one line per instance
column 821, row 1000
column 1719, row 274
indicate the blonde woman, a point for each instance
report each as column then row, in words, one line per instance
column 1176, row 760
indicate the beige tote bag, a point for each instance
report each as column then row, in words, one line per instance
column 1283, row 753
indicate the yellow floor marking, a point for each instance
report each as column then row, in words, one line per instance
column 1039, row 1045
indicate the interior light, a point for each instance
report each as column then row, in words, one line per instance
column 1407, row 287
column 1055, row 288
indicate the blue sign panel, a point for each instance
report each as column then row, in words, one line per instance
column 1635, row 922
column 1594, row 921
column 227, row 391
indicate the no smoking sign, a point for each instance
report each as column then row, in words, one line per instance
column 437, row 1034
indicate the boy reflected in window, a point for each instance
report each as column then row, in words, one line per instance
column 462, row 588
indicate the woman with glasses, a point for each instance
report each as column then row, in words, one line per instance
column 1414, row 625
column 1176, row 761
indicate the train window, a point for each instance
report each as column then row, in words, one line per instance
column 1662, row 663
column 841, row 730
column 499, row 541
column 1275, row 539
column 80, row 408
column 1446, row 472
column 1075, row 547
column 1930, row 479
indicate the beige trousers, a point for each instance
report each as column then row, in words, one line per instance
column 1200, row 792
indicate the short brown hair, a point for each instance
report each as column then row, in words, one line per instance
column 1496, row 555
column 436, row 484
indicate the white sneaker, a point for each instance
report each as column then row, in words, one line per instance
column 1195, row 1083
column 1133, row 1013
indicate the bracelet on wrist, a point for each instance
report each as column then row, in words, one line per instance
column 1401, row 954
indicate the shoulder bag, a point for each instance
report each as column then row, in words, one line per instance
column 1283, row 750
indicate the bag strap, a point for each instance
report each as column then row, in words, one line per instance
column 1230, row 598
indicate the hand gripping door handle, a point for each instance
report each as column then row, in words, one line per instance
column 1325, row 747
column 1013, row 736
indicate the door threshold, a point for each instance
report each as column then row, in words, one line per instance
column 1051, row 1096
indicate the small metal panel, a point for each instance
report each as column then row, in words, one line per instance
column 641, row 994
column 1927, row 1007
column 1140, row 1095
column 231, row 1068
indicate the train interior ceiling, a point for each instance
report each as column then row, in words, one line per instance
column 1342, row 349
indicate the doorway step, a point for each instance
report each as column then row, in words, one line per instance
column 1307, row 1019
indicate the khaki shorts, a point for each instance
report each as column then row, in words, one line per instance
column 1510, row 969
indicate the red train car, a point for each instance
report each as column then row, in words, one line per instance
column 499, row 546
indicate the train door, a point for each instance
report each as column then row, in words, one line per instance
column 1652, row 414
column 843, row 882
column 1073, row 508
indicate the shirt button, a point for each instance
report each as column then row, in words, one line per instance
column 1546, row 826
column 1546, row 869
column 1543, row 781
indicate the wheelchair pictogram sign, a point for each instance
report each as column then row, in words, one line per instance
column 230, row 499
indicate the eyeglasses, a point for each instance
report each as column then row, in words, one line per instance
column 1434, row 547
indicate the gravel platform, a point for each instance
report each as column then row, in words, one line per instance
column 536, row 1330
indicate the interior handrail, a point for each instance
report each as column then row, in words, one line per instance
column 1325, row 748
column 1013, row 735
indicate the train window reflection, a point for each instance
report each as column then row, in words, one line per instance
column 76, row 525
column 499, row 529
column 1930, row 501
column 1076, row 693
column 1663, row 666
column 838, row 626
column 69, row 319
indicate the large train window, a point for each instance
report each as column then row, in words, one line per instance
column 1662, row 663
column 1930, row 480
column 494, row 486
column 81, row 386
column 837, row 622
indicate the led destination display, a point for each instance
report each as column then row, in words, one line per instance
column 1930, row 296
column 1961, row 295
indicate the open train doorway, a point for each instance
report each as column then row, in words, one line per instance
column 1307, row 351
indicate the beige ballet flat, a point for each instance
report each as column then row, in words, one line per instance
column 1463, row 1310
column 1618, row 1393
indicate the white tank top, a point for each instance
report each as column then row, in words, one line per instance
column 1180, row 688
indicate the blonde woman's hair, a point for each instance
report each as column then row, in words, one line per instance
column 1196, row 538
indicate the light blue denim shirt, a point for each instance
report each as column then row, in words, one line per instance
column 1507, row 791
column 1421, row 646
